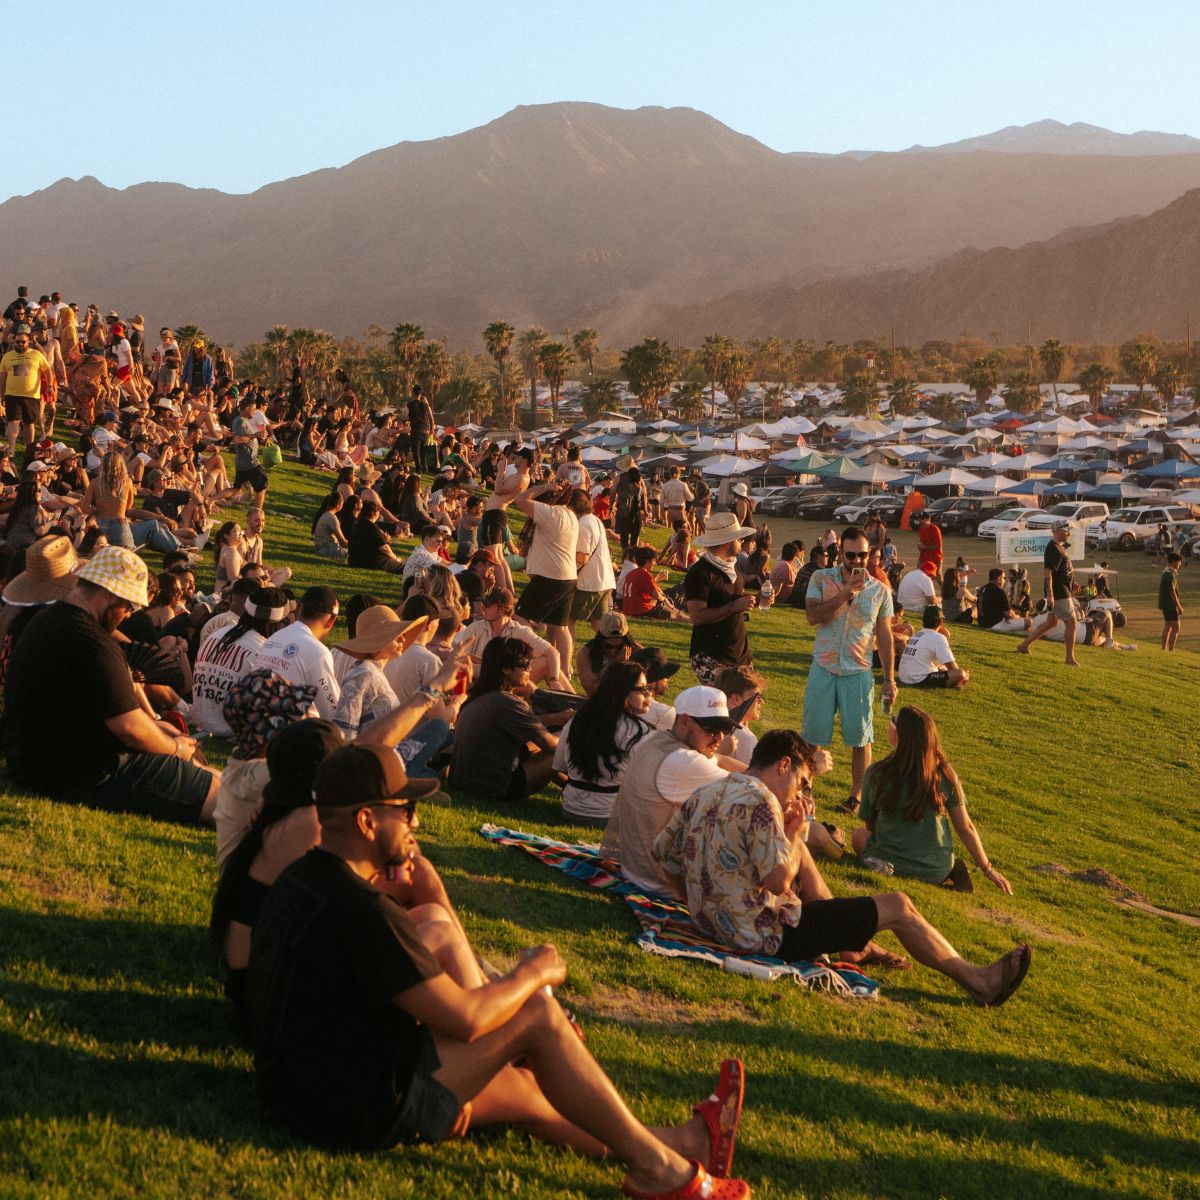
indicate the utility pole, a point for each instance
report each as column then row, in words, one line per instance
column 1189, row 343
column 894, row 352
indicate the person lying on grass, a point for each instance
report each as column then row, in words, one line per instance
column 911, row 800
column 736, row 849
column 365, row 1040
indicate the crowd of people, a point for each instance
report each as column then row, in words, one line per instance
column 373, row 1020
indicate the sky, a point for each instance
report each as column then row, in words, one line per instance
column 235, row 95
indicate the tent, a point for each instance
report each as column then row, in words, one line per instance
column 1121, row 491
column 593, row 454
column 992, row 461
column 1172, row 468
column 952, row 477
column 1072, row 491
column 1029, row 487
column 876, row 474
column 836, row 468
column 996, row 485
column 726, row 464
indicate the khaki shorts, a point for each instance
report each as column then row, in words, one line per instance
column 1064, row 609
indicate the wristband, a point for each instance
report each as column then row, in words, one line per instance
column 433, row 694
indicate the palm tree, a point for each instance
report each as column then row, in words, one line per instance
column 600, row 396
column 1021, row 393
column 497, row 339
column 586, row 342
column 1053, row 354
column 712, row 357
column 555, row 361
column 688, row 401
column 1138, row 359
column 861, row 394
column 504, row 390
column 650, row 368
column 187, row 335
column 1094, row 380
column 528, row 345
column 433, row 369
column 902, row 393
column 405, row 343
column 982, row 375
column 465, row 394
column 1168, row 379
column 735, row 374
column 772, row 401
column 796, row 361
column 275, row 341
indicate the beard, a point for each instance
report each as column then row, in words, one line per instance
column 112, row 617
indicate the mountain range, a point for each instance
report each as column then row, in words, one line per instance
column 642, row 221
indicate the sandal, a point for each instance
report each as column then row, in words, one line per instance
column 721, row 1112
column 848, row 807
column 701, row 1186
column 1014, row 973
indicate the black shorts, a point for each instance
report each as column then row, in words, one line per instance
column 827, row 926
column 429, row 1110
column 547, row 601
column 1170, row 614
column 935, row 679
column 150, row 785
column 255, row 476
column 493, row 528
column 22, row 408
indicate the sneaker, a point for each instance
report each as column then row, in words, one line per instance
column 849, row 806
column 879, row 865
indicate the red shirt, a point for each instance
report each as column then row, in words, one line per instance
column 639, row 593
column 602, row 505
column 929, row 539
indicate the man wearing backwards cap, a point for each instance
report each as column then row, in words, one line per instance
column 662, row 772
column 95, row 744
column 363, row 1040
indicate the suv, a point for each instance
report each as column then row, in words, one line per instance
column 1008, row 521
column 1129, row 526
column 886, row 507
column 964, row 514
column 783, row 501
column 1084, row 513
column 822, row 507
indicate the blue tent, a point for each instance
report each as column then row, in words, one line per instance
column 1122, row 491
column 1073, row 491
column 1029, row 487
column 1064, row 463
column 1172, row 468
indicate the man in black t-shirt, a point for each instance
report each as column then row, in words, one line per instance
column 420, row 429
column 364, row 1039
column 74, row 725
column 995, row 612
column 1057, row 574
column 369, row 545
column 716, row 600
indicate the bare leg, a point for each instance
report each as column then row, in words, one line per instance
column 210, row 801
column 1036, row 632
column 858, row 839
column 860, row 760
column 559, row 636
column 574, row 1087
column 1069, row 640
column 538, row 771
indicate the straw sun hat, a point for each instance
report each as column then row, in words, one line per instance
column 378, row 627
column 722, row 528
column 49, row 575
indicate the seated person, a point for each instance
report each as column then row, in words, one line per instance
column 750, row 882
column 915, row 590
column 596, row 743
column 491, row 757
column 911, row 799
column 995, row 612
column 662, row 772
column 498, row 607
column 611, row 643
column 368, row 545
column 365, row 1038
column 927, row 660
column 958, row 601
column 678, row 553
column 640, row 594
column 743, row 688
column 478, row 578
column 783, row 575
column 816, row 562
column 379, row 637
column 1020, row 595
column 658, row 672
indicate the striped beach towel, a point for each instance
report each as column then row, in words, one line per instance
column 666, row 927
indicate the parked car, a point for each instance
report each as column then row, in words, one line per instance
column 887, row 507
column 1084, row 513
column 1129, row 526
column 1009, row 521
column 964, row 514
column 783, row 503
column 761, row 494
column 822, row 507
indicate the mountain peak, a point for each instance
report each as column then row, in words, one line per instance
column 1049, row 136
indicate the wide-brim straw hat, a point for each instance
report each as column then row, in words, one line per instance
column 722, row 528
column 49, row 575
column 378, row 627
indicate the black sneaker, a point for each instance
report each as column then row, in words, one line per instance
column 849, row 806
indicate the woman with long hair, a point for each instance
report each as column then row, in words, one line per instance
column 227, row 549
column 610, row 644
column 412, row 507
column 491, row 758
column 595, row 744
column 328, row 538
column 27, row 519
column 912, row 801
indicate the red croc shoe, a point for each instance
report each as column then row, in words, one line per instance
column 721, row 1112
column 701, row 1186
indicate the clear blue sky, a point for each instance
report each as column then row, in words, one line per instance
column 235, row 95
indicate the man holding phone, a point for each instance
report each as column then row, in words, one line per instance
column 853, row 614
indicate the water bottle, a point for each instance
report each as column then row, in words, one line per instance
column 766, row 594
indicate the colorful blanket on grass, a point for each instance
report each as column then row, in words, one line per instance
column 667, row 929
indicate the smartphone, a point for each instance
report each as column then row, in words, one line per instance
column 858, row 574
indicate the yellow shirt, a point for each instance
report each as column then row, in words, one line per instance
column 24, row 373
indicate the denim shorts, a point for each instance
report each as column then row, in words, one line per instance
column 429, row 1111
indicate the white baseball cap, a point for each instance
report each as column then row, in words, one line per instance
column 707, row 706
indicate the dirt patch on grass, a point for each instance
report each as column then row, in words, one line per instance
column 646, row 1008
column 68, row 884
column 1096, row 876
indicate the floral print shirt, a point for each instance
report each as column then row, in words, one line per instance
column 844, row 646
column 724, row 840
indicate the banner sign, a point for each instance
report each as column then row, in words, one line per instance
column 1029, row 545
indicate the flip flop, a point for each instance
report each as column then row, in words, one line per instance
column 1013, row 975
column 701, row 1186
column 721, row 1112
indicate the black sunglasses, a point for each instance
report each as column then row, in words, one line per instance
column 408, row 807
column 855, row 555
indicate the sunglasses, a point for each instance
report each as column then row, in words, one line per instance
column 855, row 555
column 644, row 689
column 408, row 807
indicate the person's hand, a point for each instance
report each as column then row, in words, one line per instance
column 822, row 761
column 888, row 691
column 743, row 603
column 992, row 874
column 444, row 680
column 186, row 747
column 546, row 962
column 557, row 720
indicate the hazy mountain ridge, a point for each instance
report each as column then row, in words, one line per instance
column 562, row 214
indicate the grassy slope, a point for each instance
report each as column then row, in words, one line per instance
column 119, row 1075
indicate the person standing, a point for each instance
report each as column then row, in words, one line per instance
column 929, row 542
column 420, row 428
column 1168, row 600
column 1058, row 574
column 631, row 506
column 717, row 602
column 197, row 370
column 22, row 372
column 247, row 469
column 853, row 616
column 676, row 496
column 552, row 564
column 594, row 587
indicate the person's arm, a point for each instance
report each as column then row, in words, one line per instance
column 964, row 827
column 883, row 639
column 137, row 730
column 525, row 501
column 821, row 612
column 394, row 727
column 700, row 614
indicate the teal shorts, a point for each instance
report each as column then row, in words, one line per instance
column 850, row 696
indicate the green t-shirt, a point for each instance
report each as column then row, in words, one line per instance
column 921, row 849
column 1168, row 597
